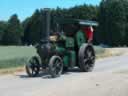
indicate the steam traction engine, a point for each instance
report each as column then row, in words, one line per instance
column 66, row 47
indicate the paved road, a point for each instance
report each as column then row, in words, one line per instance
column 112, row 64
column 70, row 84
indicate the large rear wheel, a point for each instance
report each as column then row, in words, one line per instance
column 86, row 57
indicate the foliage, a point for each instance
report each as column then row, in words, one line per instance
column 32, row 28
column 3, row 26
column 14, row 56
column 13, row 32
column 113, row 22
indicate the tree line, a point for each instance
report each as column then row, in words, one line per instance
column 11, row 32
column 113, row 21
column 112, row 16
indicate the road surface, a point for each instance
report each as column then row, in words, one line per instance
column 105, row 80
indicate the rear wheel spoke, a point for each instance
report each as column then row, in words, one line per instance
column 85, row 61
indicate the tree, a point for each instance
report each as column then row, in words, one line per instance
column 125, row 2
column 13, row 32
column 3, row 26
column 112, row 20
column 26, row 26
column 33, row 28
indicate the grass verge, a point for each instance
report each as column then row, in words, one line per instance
column 11, row 70
column 13, row 58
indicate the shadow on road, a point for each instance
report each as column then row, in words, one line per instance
column 76, row 70
column 45, row 75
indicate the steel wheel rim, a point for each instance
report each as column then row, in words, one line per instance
column 33, row 69
column 89, row 57
column 57, row 66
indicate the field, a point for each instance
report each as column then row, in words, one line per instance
column 13, row 56
column 17, row 56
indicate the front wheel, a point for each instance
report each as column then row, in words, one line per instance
column 55, row 66
column 86, row 57
column 33, row 68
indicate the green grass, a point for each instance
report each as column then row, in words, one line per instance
column 16, row 56
column 99, row 50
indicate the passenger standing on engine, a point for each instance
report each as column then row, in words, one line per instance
column 89, row 33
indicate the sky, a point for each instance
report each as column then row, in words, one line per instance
column 25, row 8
